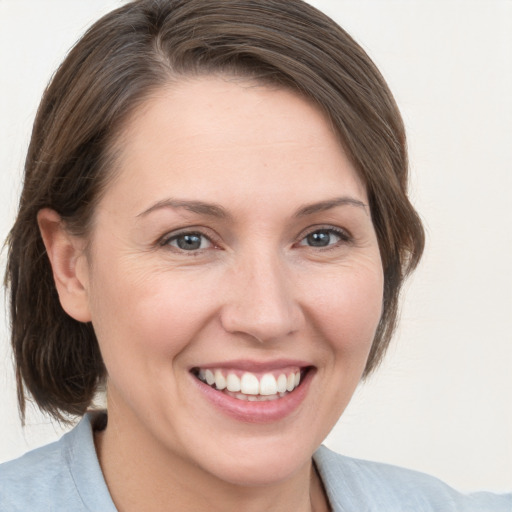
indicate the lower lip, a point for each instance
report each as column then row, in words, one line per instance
column 257, row 412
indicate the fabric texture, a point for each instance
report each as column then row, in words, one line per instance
column 65, row 476
column 358, row 485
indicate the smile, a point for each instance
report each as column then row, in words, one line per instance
column 252, row 387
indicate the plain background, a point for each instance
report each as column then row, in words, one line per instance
column 442, row 401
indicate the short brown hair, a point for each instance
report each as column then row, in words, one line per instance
column 113, row 68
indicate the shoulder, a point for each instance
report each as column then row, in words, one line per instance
column 354, row 484
column 61, row 476
column 25, row 483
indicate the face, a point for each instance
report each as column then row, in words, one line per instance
column 234, row 279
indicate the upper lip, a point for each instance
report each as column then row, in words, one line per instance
column 254, row 366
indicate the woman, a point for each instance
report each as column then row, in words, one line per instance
column 214, row 224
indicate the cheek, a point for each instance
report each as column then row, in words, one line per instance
column 347, row 307
column 151, row 314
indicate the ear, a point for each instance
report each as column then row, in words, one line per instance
column 69, row 264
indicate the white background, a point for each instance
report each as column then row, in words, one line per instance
column 442, row 401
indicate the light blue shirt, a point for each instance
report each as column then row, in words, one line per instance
column 65, row 476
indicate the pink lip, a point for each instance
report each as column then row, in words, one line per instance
column 256, row 412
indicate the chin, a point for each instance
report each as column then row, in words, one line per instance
column 263, row 468
column 257, row 459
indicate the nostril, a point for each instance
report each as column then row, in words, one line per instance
column 262, row 305
column 260, row 324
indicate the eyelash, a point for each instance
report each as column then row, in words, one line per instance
column 342, row 234
column 167, row 239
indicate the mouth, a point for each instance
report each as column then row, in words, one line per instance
column 252, row 386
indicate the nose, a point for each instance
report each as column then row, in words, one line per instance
column 260, row 300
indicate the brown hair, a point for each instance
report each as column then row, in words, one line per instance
column 116, row 65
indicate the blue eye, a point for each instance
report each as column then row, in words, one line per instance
column 323, row 238
column 189, row 242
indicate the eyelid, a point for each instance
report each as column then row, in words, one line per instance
column 164, row 240
column 344, row 234
column 214, row 239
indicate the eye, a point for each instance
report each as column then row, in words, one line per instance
column 324, row 238
column 188, row 241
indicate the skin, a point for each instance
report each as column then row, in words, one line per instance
column 256, row 290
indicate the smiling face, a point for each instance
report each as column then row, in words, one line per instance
column 235, row 250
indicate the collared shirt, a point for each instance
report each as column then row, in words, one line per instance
column 65, row 476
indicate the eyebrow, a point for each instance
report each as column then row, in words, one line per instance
column 215, row 210
column 329, row 204
column 200, row 207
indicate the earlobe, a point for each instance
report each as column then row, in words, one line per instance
column 69, row 264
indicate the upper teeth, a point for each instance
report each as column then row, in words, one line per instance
column 251, row 384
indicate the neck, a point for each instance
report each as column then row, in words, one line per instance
column 141, row 475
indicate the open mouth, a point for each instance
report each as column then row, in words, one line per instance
column 253, row 387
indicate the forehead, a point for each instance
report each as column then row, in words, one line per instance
column 220, row 135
